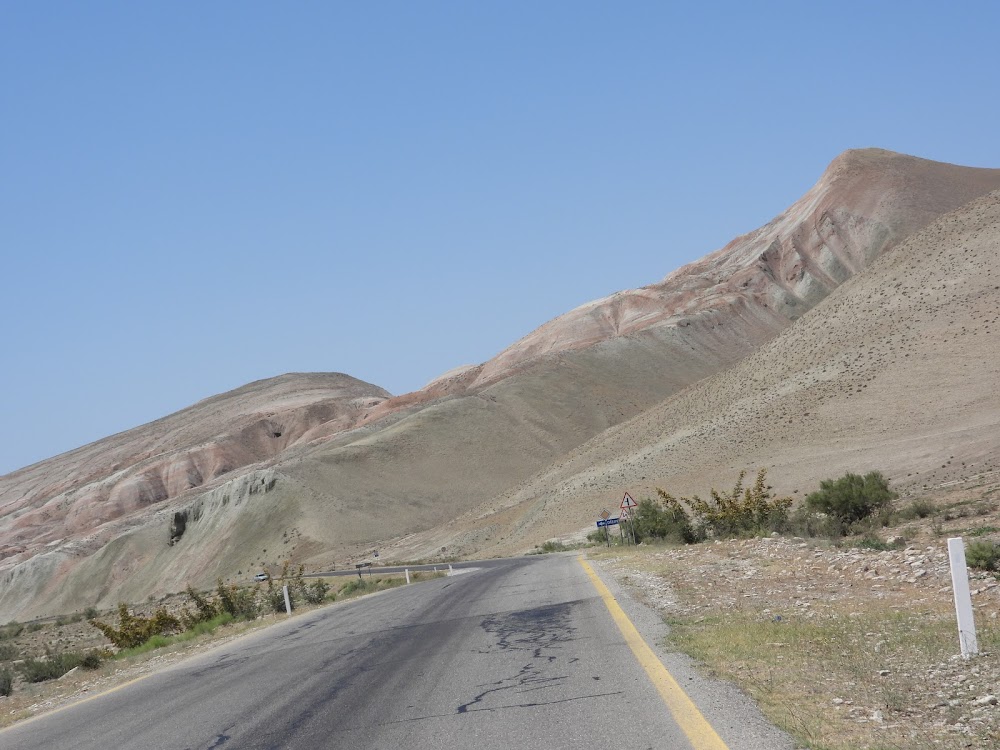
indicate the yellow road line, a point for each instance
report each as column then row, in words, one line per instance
column 699, row 732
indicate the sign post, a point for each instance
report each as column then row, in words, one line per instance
column 627, row 505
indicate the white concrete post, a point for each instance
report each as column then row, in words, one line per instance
column 963, row 599
column 407, row 571
column 450, row 571
column 288, row 604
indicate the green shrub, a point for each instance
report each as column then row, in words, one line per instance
column 852, row 498
column 742, row 512
column 6, row 682
column 274, row 597
column 873, row 541
column 11, row 630
column 134, row 630
column 8, row 652
column 983, row 555
column 920, row 508
column 240, row 603
column 56, row 665
column 90, row 613
column 664, row 520
column 316, row 592
column 204, row 610
column 353, row 586
column 34, row 627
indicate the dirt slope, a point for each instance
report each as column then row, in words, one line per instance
column 899, row 370
column 324, row 475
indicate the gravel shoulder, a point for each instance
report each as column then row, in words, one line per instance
column 844, row 648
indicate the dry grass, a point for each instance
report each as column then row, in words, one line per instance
column 845, row 648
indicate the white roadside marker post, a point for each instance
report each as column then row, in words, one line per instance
column 288, row 604
column 451, row 572
column 963, row 599
column 407, row 571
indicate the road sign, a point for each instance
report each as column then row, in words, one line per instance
column 605, row 514
column 625, row 514
column 628, row 502
column 607, row 522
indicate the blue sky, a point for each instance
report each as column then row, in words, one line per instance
column 198, row 195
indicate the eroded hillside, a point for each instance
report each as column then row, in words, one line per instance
column 329, row 469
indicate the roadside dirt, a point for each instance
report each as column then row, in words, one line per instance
column 844, row 647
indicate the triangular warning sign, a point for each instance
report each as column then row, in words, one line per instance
column 628, row 502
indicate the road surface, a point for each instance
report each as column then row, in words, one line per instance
column 523, row 653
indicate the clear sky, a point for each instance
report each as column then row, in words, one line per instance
column 197, row 195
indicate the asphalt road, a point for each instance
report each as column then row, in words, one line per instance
column 522, row 653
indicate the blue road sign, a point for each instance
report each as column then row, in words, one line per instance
column 609, row 522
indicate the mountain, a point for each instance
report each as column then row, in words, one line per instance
column 898, row 371
column 321, row 468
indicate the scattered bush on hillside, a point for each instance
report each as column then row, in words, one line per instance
column 920, row 508
column 750, row 511
column 317, row 591
column 11, row 630
column 664, row 519
column 56, row 665
column 203, row 611
column 853, row 498
column 241, row 603
column 134, row 630
column 6, row 682
column 983, row 555
column 8, row 652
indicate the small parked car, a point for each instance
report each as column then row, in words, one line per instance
column 261, row 577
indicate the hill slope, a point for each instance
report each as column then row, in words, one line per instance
column 899, row 371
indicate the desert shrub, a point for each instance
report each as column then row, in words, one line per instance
column 852, row 498
column 34, row 627
column 920, row 508
column 663, row 519
column 134, row 630
column 240, row 603
column 550, row 546
column 742, row 511
column 274, row 598
column 90, row 613
column 8, row 652
column 6, row 682
column 203, row 611
column 317, row 591
column 56, row 665
column 803, row 521
column 11, row 630
column 983, row 555
column 872, row 541
column 353, row 586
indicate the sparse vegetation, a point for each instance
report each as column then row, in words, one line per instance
column 665, row 520
column 852, row 498
column 11, row 630
column 6, row 682
column 56, row 665
column 134, row 630
column 919, row 508
column 741, row 512
column 983, row 555
column 549, row 546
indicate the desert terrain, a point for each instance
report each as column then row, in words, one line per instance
column 856, row 330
